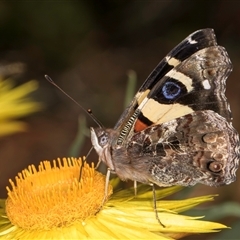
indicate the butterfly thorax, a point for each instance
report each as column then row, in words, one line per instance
column 116, row 157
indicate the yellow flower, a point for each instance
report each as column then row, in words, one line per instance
column 51, row 203
column 14, row 104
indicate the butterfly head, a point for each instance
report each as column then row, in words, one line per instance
column 100, row 142
column 99, row 138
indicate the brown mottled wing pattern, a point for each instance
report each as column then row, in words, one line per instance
column 201, row 147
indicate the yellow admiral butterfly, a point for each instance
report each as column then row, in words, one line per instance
column 177, row 129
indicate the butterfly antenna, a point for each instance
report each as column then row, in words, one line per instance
column 89, row 111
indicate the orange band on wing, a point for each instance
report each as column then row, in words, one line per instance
column 139, row 126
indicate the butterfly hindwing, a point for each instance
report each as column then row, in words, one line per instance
column 200, row 147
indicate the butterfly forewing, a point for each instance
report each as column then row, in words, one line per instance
column 198, row 83
column 175, row 86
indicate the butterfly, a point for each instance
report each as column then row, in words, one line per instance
column 178, row 128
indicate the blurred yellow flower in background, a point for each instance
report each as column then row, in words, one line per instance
column 14, row 104
column 52, row 203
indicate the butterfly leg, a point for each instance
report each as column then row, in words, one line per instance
column 106, row 186
column 155, row 205
column 107, row 182
column 135, row 188
column 84, row 160
column 81, row 168
column 98, row 163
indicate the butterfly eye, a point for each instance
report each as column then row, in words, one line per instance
column 103, row 140
column 171, row 90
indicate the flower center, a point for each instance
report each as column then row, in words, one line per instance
column 53, row 196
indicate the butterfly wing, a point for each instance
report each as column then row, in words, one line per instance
column 190, row 78
column 198, row 83
column 177, row 130
column 200, row 147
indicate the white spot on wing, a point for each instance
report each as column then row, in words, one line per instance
column 191, row 41
column 206, row 84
